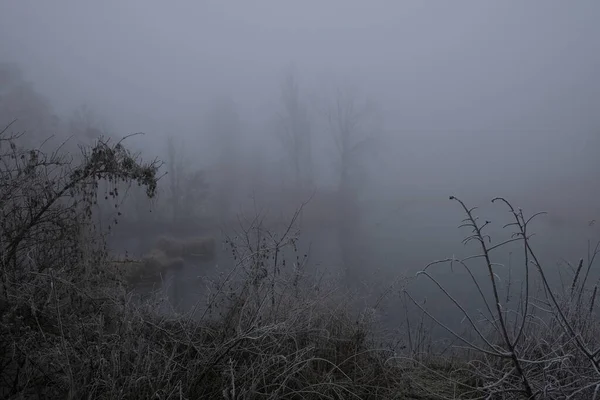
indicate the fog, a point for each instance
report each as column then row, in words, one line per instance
column 472, row 99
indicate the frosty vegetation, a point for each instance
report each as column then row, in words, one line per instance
column 193, row 275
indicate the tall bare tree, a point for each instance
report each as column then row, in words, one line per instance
column 354, row 126
column 295, row 131
column 223, row 126
column 187, row 186
column 175, row 172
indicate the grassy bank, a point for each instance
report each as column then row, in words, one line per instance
column 74, row 336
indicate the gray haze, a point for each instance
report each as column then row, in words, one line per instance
column 492, row 80
column 475, row 99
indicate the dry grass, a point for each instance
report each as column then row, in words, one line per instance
column 167, row 254
column 152, row 267
column 203, row 247
column 75, row 336
column 265, row 332
column 157, row 260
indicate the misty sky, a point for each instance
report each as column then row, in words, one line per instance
column 453, row 78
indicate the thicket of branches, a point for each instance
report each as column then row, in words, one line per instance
column 69, row 329
column 530, row 339
column 52, row 254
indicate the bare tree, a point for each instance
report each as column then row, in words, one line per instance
column 223, row 125
column 295, row 131
column 48, row 200
column 187, row 187
column 353, row 125
column 175, row 170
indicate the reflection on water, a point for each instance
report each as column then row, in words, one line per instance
column 401, row 246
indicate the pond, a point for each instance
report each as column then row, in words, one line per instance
column 398, row 247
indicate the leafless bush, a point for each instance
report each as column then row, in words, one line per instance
column 306, row 345
column 69, row 328
column 152, row 268
column 50, row 255
column 47, row 201
column 543, row 345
